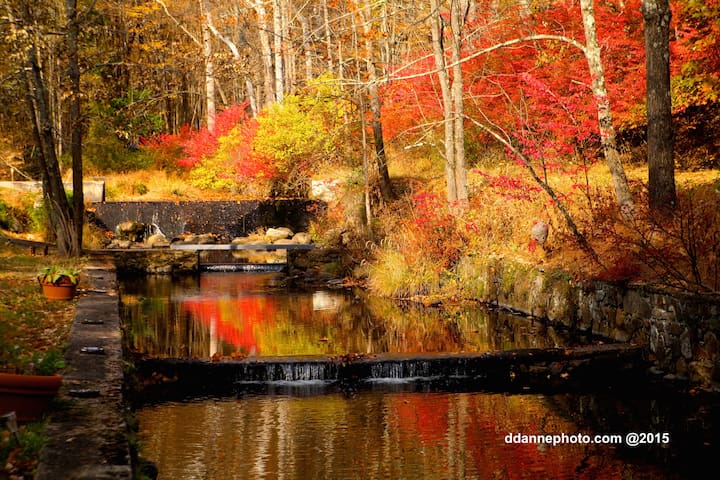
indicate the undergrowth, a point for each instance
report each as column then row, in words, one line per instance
column 426, row 240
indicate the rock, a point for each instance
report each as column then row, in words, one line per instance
column 157, row 240
column 325, row 190
column 121, row 244
column 130, row 230
column 285, row 241
column 189, row 238
column 274, row 234
column 302, row 238
column 206, row 238
column 539, row 232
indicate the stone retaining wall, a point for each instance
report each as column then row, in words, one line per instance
column 231, row 219
column 679, row 331
column 87, row 434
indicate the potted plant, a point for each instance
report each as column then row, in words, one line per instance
column 29, row 382
column 59, row 282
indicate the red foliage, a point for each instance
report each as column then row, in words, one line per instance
column 204, row 142
column 538, row 92
column 248, row 163
column 189, row 147
column 514, row 188
column 193, row 145
column 434, row 231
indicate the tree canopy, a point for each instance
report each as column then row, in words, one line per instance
column 519, row 71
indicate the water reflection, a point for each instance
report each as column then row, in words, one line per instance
column 381, row 432
column 241, row 314
column 380, row 435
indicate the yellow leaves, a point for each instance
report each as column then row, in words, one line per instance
column 153, row 45
column 142, row 11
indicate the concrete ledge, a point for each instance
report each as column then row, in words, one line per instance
column 87, row 436
column 533, row 370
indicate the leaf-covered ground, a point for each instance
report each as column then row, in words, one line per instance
column 31, row 329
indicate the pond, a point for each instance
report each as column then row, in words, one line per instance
column 391, row 428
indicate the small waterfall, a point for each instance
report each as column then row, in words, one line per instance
column 152, row 229
column 406, row 370
column 225, row 261
column 518, row 370
column 287, row 371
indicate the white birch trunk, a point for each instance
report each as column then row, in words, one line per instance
column 605, row 121
column 265, row 51
column 209, row 74
column 278, row 50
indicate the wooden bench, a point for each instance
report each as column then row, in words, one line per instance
column 33, row 246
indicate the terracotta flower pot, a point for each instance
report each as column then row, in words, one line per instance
column 59, row 291
column 29, row 396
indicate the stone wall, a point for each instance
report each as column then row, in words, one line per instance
column 678, row 331
column 93, row 190
column 232, row 219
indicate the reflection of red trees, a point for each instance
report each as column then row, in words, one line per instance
column 460, row 427
column 423, row 418
column 236, row 319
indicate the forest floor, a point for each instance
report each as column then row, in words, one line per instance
column 31, row 327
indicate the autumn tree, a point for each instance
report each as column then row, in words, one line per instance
column 604, row 113
column 661, row 167
column 75, row 121
column 33, row 28
column 450, row 77
column 372, row 54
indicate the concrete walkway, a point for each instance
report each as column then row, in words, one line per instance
column 87, row 436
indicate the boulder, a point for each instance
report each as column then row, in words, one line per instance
column 130, row 230
column 157, row 240
column 285, row 241
column 274, row 234
column 302, row 238
column 206, row 239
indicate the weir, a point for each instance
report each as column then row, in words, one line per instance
column 527, row 370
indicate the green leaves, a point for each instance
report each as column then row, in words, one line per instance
column 56, row 274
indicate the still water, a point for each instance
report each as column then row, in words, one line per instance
column 383, row 430
column 245, row 314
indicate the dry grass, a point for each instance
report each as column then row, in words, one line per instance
column 499, row 221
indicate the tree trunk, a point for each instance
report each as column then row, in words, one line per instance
column 307, row 45
column 459, row 9
column 209, row 70
column 328, row 38
column 266, row 51
column 278, row 50
column 436, row 28
column 75, row 125
column 53, row 189
column 250, row 93
column 375, row 107
column 661, row 166
column 605, row 121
